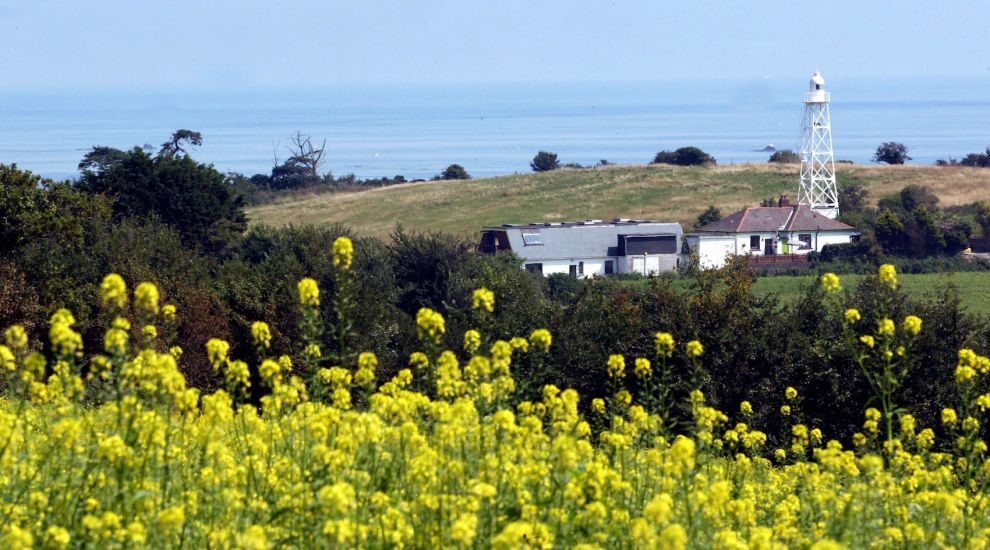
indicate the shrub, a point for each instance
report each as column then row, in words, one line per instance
column 785, row 157
column 685, row 156
column 711, row 214
column 455, row 172
column 544, row 161
column 891, row 152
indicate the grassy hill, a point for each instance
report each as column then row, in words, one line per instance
column 660, row 192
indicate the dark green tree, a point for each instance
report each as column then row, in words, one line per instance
column 890, row 232
column 852, row 197
column 685, row 156
column 455, row 172
column 194, row 198
column 785, row 157
column 711, row 214
column 544, row 161
column 176, row 145
column 891, row 152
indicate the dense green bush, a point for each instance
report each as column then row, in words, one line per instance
column 785, row 156
column 544, row 161
column 685, row 156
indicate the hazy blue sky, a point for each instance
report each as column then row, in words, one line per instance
column 232, row 44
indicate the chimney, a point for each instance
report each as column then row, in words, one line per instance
column 784, row 201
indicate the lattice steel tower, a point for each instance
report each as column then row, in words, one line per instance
column 818, row 190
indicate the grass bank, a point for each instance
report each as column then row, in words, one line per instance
column 662, row 192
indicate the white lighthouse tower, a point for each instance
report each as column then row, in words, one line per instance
column 818, row 190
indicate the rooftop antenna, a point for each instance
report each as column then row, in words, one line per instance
column 817, row 188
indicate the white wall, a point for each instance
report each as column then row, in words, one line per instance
column 592, row 266
column 713, row 250
column 648, row 264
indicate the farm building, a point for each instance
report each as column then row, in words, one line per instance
column 591, row 247
column 767, row 230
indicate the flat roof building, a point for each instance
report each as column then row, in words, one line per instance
column 590, row 247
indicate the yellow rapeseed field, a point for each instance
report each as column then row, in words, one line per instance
column 116, row 451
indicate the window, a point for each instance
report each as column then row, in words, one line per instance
column 580, row 268
column 754, row 242
column 534, row 268
column 532, row 239
column 609, row 267
column 805, row 239
column 573, row 270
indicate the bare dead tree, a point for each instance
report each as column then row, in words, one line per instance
column 304, row 157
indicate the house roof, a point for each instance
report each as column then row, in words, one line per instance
column 767, row 219
column 588, row 239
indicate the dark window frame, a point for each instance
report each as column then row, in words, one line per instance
column 754, row 242
column 536, row 267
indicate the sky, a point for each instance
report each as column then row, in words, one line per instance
column 243, row 44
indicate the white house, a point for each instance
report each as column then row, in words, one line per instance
column 767, row 230
column 591, row 247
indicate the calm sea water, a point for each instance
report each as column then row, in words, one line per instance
column 492, row 130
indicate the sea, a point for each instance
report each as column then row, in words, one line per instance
column 384, row 130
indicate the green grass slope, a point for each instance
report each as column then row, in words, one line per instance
column 660, row 192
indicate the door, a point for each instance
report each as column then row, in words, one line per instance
column 639, row 265
column 652, row 265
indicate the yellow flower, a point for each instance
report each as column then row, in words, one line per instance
column 830, row 282
column 418, row 360
column 673, row 537
column 113, row 291
column 261, row 334
column 907, row 424
column 216, row 351
column 885, row 327
column 888, row 276
column 309, row 293
column 313, row 351
column 694, row 348
column 746, row 408
column 170, row 520
column 949, row 417
column 483, row 299
column 472, row 341
column 168, row 313
column 253, row 538
column 790, row 393
column 664, row 342
column 785, row 410
column 541, row 339
column 867, row 340
column 642, row 368
column 852, row 316
column 146, row 298
column 964, row 374
column 57, row 537
column 149, row 331
column 431, row 325
column 616, row 366
column 7, row 360
column 912, row 325
column 598, row 405
column 343, row 253
column 269, row 370
column 367, row 360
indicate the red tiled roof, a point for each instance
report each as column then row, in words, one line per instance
column 764, row 219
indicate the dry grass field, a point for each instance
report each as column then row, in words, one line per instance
column 666, row 193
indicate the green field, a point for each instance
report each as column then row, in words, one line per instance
column 974, row 287
column 660, row 192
